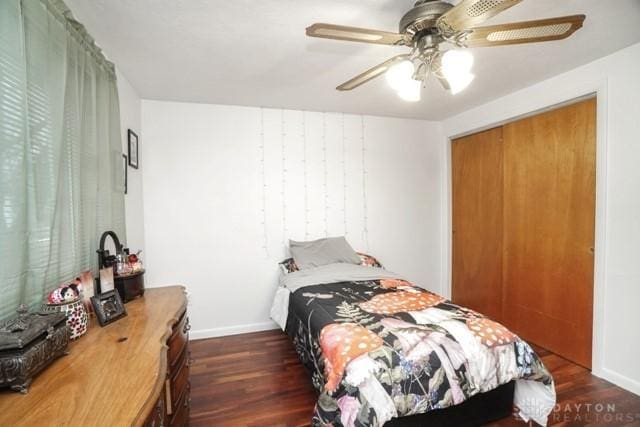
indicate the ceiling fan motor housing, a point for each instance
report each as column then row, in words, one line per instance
column 421, row 20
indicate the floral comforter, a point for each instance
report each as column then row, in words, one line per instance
column 380, row 349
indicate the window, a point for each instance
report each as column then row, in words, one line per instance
column 61, row 181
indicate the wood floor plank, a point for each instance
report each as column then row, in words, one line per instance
column 256, row 380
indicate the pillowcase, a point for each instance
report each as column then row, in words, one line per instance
column 289, row 265
column 369, row 261
column 317, row 253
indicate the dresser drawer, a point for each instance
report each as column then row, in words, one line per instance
column 180, row 416
column 178, row 340
column 179, row 379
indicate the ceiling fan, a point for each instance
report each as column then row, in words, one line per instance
column 428, row 26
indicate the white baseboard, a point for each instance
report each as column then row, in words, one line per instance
column 231, row 330
column 620, row 380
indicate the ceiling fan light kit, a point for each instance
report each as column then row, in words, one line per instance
column 437, row 33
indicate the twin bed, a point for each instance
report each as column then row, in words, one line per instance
column 382, row 351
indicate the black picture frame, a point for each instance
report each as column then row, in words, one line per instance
column 126, row 173
column 133, row 149
column 108, row 307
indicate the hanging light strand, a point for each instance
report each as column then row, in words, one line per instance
column 304, row 174
column 326, row 174
column 365, row 229
column 344, row 177
column 263, row 174
column 283, row 138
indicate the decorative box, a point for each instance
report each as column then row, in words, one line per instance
column 130, row 286
column 28, row 344
column 76, row 314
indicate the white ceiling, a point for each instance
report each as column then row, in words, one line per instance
column 249, row 52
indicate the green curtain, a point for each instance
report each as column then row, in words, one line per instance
column 61, row 168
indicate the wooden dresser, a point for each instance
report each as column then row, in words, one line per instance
column 107, row 380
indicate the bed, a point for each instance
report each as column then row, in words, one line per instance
column 382, row 351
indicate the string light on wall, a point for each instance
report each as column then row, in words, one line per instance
column 265, row 242
column 304, row 174
column 365, row 229
column 283, row 138
column 344, row 176
column 285, row 164
column 326, row 174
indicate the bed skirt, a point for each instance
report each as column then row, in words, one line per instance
column 480, row 409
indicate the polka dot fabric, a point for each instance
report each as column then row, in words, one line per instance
column 400, row 302
column 341, row 343
column 394, row 283
column 490, row 333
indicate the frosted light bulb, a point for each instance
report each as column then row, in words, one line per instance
column 460, row 82
column 398, row 74
column 456, row 68
column 457, row 61
column 410, row 91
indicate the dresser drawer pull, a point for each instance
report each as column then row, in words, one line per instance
column 186, row 328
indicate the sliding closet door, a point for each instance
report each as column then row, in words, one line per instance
column 549, row 220
column 477, row 222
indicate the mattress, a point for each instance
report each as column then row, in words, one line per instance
column 379, row 347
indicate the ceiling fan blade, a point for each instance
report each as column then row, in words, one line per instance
column 469, row 13
column 371, row 73
column 541, row 30
column 364, row 35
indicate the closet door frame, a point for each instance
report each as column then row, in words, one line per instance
column 545, row 100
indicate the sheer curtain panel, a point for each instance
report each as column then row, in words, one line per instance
column 61, row 172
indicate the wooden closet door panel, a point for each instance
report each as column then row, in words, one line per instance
column 477, row 222
column 549, row 223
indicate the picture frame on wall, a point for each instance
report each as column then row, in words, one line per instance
column 108, row 307
column 133, row 149
column 126, row 174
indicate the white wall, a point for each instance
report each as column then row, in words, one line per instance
column 130, row 108
column 617, row 277
column 203, row 200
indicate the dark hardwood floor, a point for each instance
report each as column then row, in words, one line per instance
column 256, row 380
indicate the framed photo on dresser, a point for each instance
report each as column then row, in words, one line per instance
column 108, row 307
